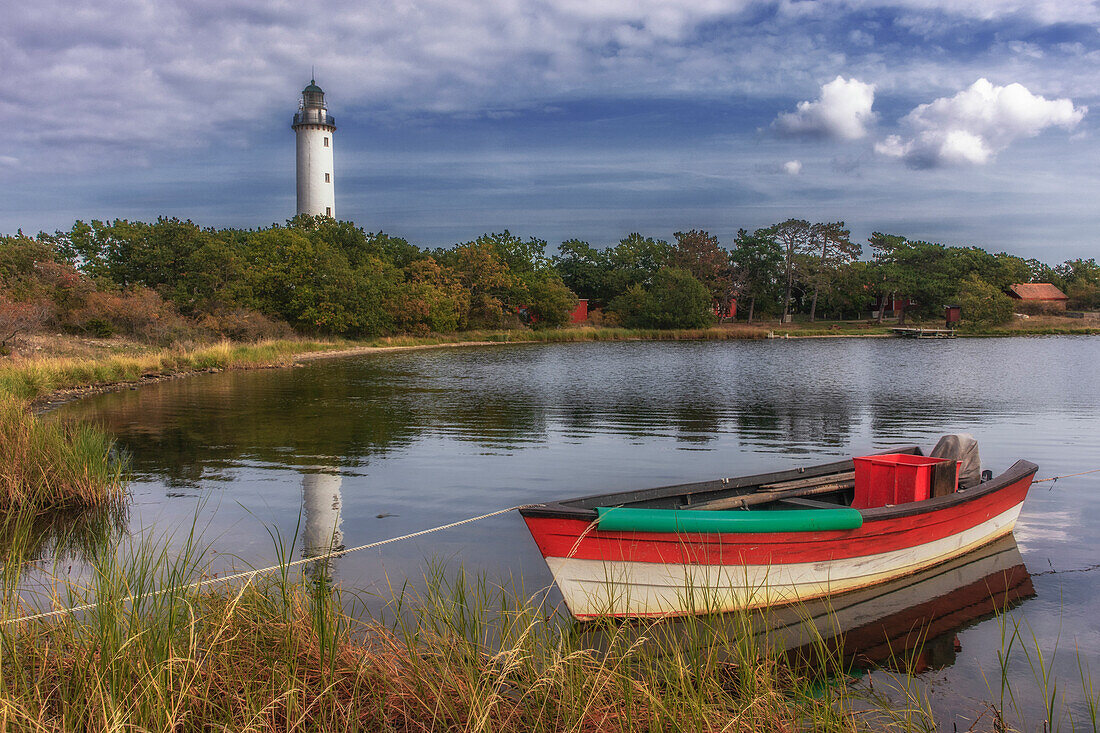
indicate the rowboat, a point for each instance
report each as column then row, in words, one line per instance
column 776, row 538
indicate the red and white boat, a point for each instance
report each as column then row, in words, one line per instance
column 754, row 541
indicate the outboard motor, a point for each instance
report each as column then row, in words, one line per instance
column 961, row 447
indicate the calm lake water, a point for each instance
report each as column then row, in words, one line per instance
column 393, row 443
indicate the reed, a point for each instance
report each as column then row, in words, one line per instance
column 286, row 652
column 50, row 464
column 292, row 651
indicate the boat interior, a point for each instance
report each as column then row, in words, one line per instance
column 902, row 476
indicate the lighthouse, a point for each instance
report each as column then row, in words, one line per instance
column 314, row 128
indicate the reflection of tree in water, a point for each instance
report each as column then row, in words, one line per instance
column 183, row 431
column 796, row 425
column 491, row 419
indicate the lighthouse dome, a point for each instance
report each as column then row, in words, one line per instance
column 313, row 97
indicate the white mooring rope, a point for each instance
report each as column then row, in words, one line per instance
column 258, row 571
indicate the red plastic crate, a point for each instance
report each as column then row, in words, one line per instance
column 892, row 478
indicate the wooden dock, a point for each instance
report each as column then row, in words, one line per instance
column 924, row 333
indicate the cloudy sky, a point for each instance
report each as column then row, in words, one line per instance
column 960, row 121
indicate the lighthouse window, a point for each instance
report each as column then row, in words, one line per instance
column 326, row 142
column 328, row 211
column 328, row 178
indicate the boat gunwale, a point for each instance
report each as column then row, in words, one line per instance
column 583, row 508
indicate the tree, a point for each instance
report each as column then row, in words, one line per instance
column 757, row 262
column 21, row 317
column 312, row 286
column 1082, row 282
column 793, row 236
column 849, row 291
column 1040, row 272
column 584, row 270
column 431, row 299
column 635, row 260
column 982, row 303
column 890, row 274
column 700, row 254
column 550, row 303
column 674, row 299
column 837, row 250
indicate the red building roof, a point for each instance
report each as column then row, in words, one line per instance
column 1036, row 291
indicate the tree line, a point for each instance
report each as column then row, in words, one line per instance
column 172, row 279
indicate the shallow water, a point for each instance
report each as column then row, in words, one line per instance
column 375, row 446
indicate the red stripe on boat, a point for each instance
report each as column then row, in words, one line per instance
column 559, row 537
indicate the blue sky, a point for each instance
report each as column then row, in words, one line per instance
column 959, row 121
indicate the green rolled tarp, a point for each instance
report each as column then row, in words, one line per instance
column 626, row 519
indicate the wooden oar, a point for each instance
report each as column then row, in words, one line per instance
column 775, row 492
column 808, row 482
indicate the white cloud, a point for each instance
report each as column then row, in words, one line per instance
column 117, row 82
column 842, row 111
column 792, row 167
column 971, row 127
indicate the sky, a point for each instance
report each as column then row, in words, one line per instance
column 957, row 121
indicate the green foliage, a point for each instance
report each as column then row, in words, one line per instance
column 584, row 270
column 172, row 279
column 757, row 262
column 674, row 299
column 550, row 303
column 700, row 254
column 635, row 261
column 983, row 304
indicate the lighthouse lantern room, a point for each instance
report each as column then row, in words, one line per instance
column 314, row 128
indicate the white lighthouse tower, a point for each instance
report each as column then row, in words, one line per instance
column 314, row 128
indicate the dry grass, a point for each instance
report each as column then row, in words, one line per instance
column 1045, row 325
column 282, row 655
column 47, row 464
column 36, row 377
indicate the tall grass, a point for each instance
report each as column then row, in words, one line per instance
column 292, row 651
column 37, row 377
column 288, row 653
column 50, row 464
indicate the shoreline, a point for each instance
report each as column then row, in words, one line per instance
column 169, row 364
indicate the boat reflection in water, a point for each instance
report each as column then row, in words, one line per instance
column 908, row 624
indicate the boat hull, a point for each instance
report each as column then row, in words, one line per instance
column 616, row 574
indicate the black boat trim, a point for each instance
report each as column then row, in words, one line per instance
column 584, row 508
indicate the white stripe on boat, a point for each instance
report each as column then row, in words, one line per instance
column 619, row 588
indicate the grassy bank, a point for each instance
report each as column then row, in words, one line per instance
column 291, row 652
column 32, row 378
column 282, row 654
column 52, row 464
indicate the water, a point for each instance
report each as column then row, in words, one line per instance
column 359, row 449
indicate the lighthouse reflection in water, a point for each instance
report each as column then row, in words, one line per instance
column 321, row 505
